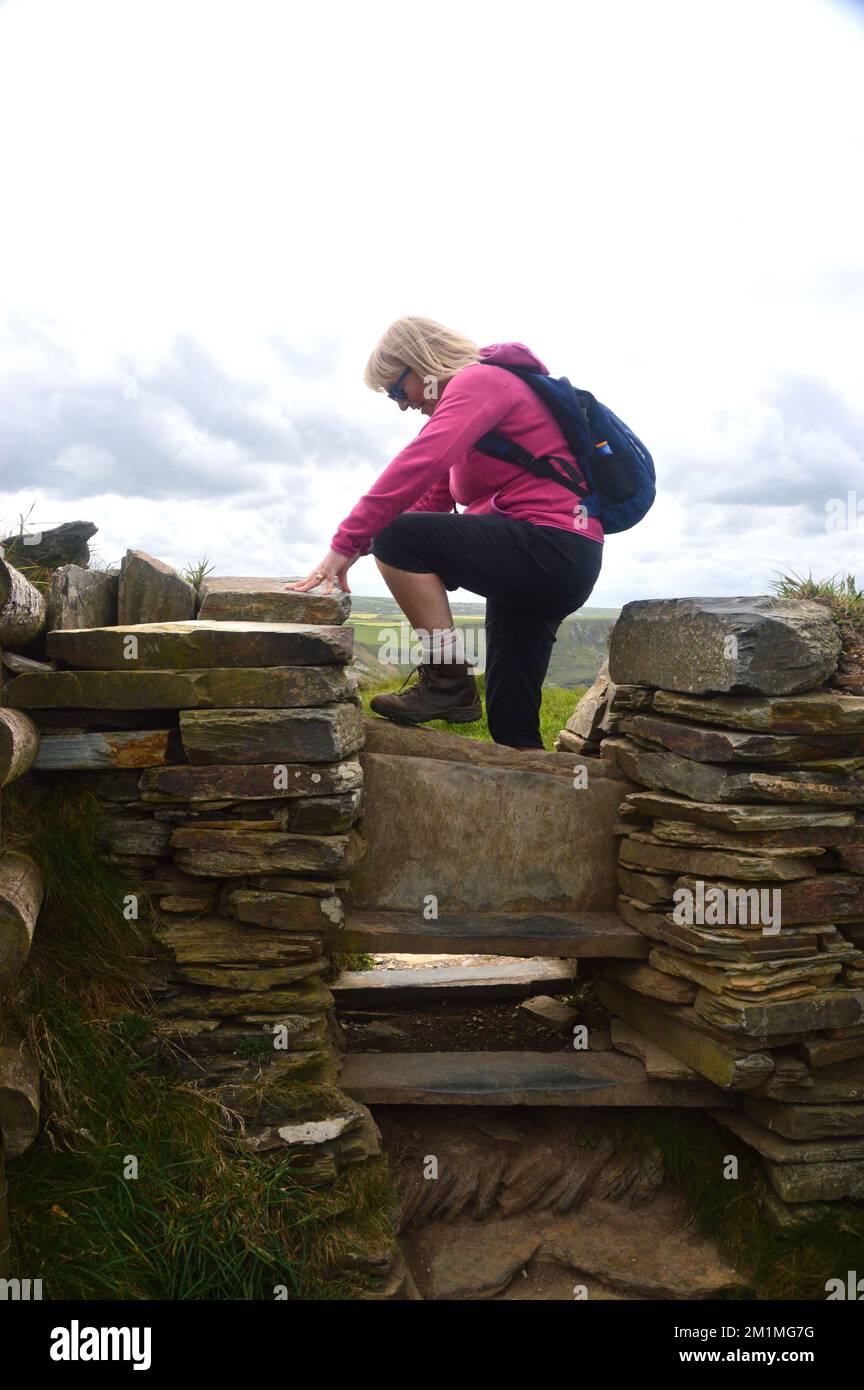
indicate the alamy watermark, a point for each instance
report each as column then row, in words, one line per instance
column 713, row 906
column 845, row 513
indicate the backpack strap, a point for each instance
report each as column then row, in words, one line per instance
column 568, row 474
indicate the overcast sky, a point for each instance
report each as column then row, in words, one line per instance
column 212, row 210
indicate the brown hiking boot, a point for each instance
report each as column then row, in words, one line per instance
column 446, row 691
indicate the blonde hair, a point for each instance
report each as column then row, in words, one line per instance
column 430, row 349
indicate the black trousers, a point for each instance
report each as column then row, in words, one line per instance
column 531, row 576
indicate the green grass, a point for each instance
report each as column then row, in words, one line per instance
column 197, row 572
column 556, row 706
column 202, row 1220
column 787, row 1264
column 357, row 960
column 841, row 592
column 843, row 596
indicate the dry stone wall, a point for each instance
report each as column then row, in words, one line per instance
column 742, row 860
column 223, row 754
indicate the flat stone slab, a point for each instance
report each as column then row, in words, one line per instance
column 752, row 818
column 837, row 1120
column 236, row 852
column 359, row 987
column 658, row 1063
column 265, row 687
column 643, row 852
column 285, row 911
column 580, row 934
column 825, row 898
column 514, row 1078
column 705, row 744
column 829, row 1008
column 754, row 645
column 817, row 1182
column 120, row 748
column 819, row 712
column 211, row 940
column 422, row 741
column 781, row 1150
column 661, row 769
column 485, row 838
column 647, row 1256
column 602, row 1247
column 322, row 734
column 230, row 598
column 250, row 782
column 796, row 842
column 717, row 1060
column 197, row 645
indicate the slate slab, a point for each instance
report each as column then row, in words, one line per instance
column 759, row 644
column 200, row 645
column 234, row 599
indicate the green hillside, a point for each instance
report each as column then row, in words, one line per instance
column 384, row 640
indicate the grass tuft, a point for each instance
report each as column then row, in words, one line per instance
column 780, row 1264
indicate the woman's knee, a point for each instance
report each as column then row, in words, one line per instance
column 393, row 535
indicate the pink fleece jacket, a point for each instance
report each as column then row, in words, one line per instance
column 440, row 467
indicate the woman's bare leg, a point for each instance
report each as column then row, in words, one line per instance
column 422, row 597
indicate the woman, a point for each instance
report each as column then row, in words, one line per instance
column 520, row 542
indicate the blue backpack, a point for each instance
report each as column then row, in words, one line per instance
column 614, row 479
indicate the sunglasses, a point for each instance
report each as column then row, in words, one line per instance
column 396, row 392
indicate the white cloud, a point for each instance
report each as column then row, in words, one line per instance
column 226, row 203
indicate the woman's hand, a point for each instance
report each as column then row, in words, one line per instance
column 333, row 568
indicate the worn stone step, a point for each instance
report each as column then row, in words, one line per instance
column 237, row 687
column 505, row 981
column 491, row 933
column 201, row 645
column 254, row 600
column 515, row 1078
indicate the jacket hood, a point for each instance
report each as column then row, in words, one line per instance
column 513, row 355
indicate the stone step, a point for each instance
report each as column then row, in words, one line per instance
column 200, row 645
column 241, row 600
column 516, row 1078
column 506, row 981
column 559, row 934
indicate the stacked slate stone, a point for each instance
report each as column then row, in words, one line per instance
column 225, row 751
column 742, row 858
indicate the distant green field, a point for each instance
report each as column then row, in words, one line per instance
column 384, row 640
